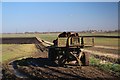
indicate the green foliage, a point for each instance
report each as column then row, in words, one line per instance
column 94, row 61
column 106, row 66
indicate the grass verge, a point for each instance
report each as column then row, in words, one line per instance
column 106, row 66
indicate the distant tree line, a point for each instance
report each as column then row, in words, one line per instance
column 95, row 31
column 87, row 31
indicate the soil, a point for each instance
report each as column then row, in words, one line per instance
column 110, row 57
column 39, row 67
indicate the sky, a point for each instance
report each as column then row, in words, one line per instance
column 58, row 16
column 59, row 0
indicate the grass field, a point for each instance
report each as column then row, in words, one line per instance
column 14, row 51
column 100, row 34
column 113, row 42
column 15, row 48
column 48, row 37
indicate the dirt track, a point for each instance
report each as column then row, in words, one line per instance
column 42, row 68
column 39, row 67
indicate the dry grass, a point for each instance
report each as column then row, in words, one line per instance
column 14, row 51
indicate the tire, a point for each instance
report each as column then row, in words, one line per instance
column 85, row 59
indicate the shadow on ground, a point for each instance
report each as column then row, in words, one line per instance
column 43, row 68
column 38, row 62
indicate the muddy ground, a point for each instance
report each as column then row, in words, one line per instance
column 39, row 67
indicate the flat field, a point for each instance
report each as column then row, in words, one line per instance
column 12, row 52
column 15, row 51
column 103, row 45
column 48, row 37
column 111, row 42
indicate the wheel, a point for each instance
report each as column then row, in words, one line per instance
column 85, row 59
column 62, row 60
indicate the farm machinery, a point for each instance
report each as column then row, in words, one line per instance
column 67, row 50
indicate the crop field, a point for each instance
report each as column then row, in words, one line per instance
column 28, row 54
